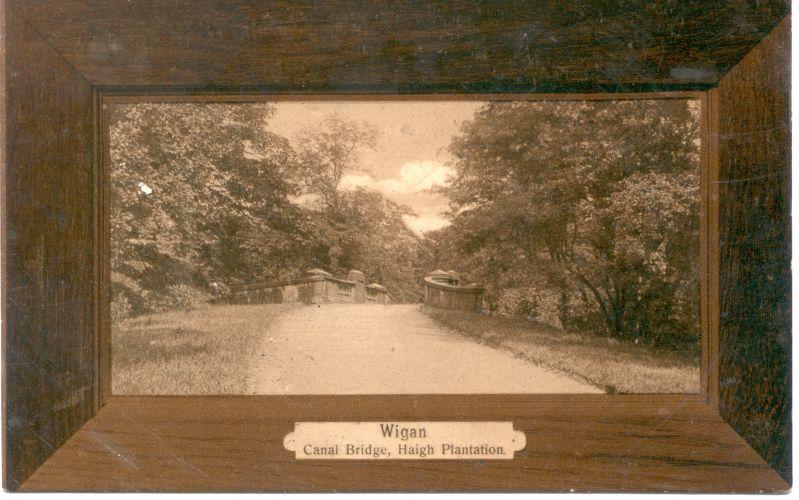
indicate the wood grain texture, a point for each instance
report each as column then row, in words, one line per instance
column 409, row 46
column 48, row 339
column 607, row 444
column 755, row 249
column 236, row 444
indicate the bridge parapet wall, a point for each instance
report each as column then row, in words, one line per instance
column 442, row 289
column 317, row 287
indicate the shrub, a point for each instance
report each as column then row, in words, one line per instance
column 219, row 292
column 517, row 302
column 183, row 297
column 533, row 303
column 174, row 297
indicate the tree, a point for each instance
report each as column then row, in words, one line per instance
column 327, row 152
column 375, row 239
column 196, row 191
column 355, row 229
column 203, row 196
column 596, row 201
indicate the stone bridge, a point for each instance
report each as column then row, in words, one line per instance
column 316, row 287
column 442, row 289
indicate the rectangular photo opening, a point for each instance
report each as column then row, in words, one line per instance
column 405, row 246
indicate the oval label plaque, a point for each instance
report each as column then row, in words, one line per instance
column 404, row 441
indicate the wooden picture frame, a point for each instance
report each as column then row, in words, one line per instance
column 64, row 61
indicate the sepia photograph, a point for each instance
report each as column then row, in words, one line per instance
column 405, row 247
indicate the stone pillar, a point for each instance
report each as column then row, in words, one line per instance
column 360, row 285
column 378, row 293
column 319, row 287
column 445, row 277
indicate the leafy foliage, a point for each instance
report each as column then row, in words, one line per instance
column 605, row 216
column 327, row 152
column 197, row 192
column 203, row 198
column 368, row 233
column 355, row 229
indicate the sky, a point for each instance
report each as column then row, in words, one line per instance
column 411, row 157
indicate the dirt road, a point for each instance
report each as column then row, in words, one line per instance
column 374, row 349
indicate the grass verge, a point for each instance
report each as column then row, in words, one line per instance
column 609, row 364
column 204, row 351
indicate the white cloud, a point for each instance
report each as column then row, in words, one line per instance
column 394, row 186
column 413, row 188
column 425, row 175
column 420, row 224
column 145, row 189
column 414, row 177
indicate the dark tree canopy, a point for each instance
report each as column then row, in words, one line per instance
column 586, row 208
column 203, row 197
column 196, row 190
